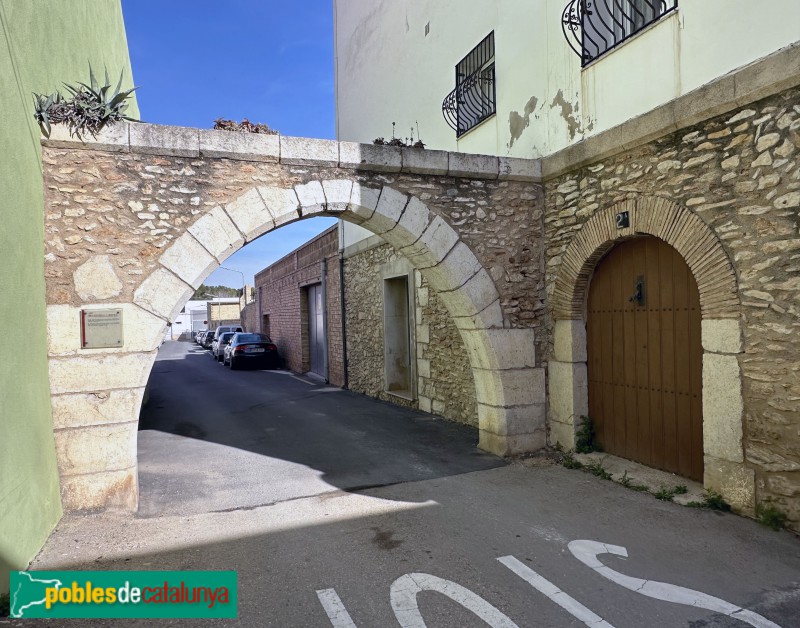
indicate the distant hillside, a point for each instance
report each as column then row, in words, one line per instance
column 205, row 292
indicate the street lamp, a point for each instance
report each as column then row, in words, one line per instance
column 233, row 270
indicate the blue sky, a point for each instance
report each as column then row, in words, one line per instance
column 272, row 62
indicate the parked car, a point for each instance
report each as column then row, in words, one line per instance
column 219, row 344
column 207, row 340
column 253, row 349
column 223, row 328
column 199, row 337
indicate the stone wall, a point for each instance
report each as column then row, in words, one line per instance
column 283, row 294
column 445, row 385
column 363, row 297
column 739, row 174
column 119, row 211
column 138, row 217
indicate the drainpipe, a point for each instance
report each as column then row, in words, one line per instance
column 323, row 270
column 344, row 321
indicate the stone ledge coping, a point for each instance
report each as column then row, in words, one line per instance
column 154, row 139
column 362, row 246
column 762, row 78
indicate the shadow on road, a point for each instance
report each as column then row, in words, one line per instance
column 213, row 439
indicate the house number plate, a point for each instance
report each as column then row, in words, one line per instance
column 623, row 220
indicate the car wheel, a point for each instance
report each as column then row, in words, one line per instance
column 233, row 364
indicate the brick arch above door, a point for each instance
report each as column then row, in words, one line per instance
column 677, row 226
column 721, row 335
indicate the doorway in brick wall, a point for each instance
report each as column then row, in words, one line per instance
column 645, row 357
column 316, row 329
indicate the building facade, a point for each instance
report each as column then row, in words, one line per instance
column 37, row 57
column 298, row 305
column 223, row 311
column 664, row 238
column 402, row 345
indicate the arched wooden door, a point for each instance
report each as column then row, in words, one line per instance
column 645, row 357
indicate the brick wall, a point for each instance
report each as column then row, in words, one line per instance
column 282, row 291
column 250, row 317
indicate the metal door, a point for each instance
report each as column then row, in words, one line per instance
column 645, row 357
column 316, row 330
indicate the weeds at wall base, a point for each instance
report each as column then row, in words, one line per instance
column 771, row 517
column 666, row 494
column 712, row 501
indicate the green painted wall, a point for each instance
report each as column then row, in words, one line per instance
column 42, row 44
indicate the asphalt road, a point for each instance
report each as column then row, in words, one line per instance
column 261, row 437
column 336, row 510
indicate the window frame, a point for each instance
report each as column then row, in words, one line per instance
column 474, row 98
column 605, row 25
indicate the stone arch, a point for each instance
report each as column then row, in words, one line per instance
column 721, row 333
column 97, row 397
column 681, row 229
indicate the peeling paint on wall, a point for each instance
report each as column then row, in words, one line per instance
column 567, row 109
column 518, row 123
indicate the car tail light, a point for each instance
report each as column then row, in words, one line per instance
column 272, row 348
column 240, row 348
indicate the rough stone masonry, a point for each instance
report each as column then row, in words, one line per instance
column 137, row 219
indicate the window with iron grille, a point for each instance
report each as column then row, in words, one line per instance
column 594, row 27
column 473, row 99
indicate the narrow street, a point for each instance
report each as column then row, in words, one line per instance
column 335, row 510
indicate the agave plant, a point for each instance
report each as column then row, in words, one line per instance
column 43, row 105
column 90, row 107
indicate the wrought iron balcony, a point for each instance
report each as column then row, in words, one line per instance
column 471, row 102
column 473, row 99
column 594, row 27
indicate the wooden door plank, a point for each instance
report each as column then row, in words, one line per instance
column 668, row 376
column 682, row 367
column 618, row 354
column 642, row 362
column 654, row 355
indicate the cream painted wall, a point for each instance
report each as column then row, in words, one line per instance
column 388, row 70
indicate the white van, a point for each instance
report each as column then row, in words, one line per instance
column 223, row 328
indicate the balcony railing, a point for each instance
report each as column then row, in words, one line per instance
column 471, row 102
column 595, row 27
column 473, row 99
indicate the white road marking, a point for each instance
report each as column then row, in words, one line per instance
column 587, row 552
column 404, row 591
column 565, row 601
column 335, row 609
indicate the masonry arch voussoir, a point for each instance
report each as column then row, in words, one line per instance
column 677, row 226
column 97, row 394
column 503, row 360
